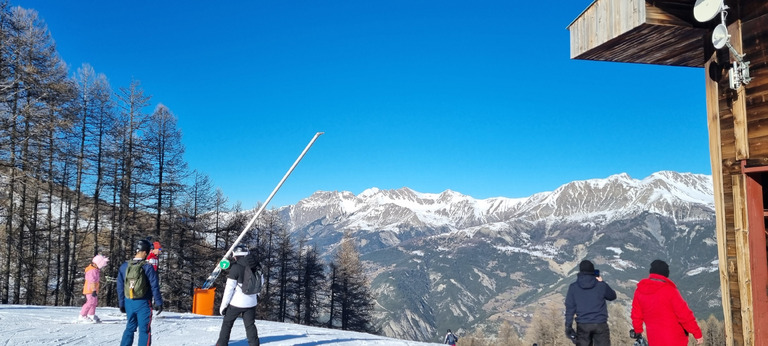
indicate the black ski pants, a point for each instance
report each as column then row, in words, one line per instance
column 249, row 319
column 593, row 334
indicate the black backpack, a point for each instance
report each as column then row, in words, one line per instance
column 251, row 281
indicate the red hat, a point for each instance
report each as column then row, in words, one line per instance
column 157, row 245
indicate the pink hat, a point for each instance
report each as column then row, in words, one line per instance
column 100, row 261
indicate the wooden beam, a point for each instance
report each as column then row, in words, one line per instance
column 638, row 31
column 657, row 16
column 739, row 108
column 752, row 9
column 603, row 21
column 741, row 228
column 716, row 159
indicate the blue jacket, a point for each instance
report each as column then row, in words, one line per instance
column 586, row 299
column 151, row 274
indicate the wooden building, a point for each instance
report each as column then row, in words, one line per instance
column 666, row 32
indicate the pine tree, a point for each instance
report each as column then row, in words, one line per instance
column 352, row 296
column 713, row 330
column 219, row 209
column 547, row 328
column 131, row 122
column 312, row 282
column 508, row 335
column 163, row 142
column 476, row 338
column 32, row 75
column 189, row 250
column 102, row 127
column 286, row 274
column 618, row 323
column 270, row 231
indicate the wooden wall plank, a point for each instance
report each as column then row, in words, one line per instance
column 739, row 105
column 741, row 227
column 713, row 124
column 753, row 41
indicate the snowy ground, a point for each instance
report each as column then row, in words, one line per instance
column 44, row 325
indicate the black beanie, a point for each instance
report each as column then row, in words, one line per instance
column 586, row 267
column 660, row 267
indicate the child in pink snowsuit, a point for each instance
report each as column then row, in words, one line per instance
column 91, row 289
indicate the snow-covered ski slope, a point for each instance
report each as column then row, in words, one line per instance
column 45, row 326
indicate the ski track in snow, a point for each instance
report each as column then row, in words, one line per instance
column 48, row 326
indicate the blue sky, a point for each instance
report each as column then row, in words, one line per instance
column 480, row 97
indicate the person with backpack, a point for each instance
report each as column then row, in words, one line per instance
column 450, row 338
column 658, row 303
column 241, row 296
column 91, row 289
column 586, row 299
column 137, row 288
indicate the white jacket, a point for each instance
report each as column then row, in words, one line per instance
column 233, row 294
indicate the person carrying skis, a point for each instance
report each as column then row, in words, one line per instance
column 154, row 255
column 91, row 289
column 667, row 317
column 450, row 338
column 236, row 302
column 137, row 288
column 586, row 298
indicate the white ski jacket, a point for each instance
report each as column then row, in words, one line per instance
column 233, row 293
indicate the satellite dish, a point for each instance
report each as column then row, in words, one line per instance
column 705, row 10
column 720, row 36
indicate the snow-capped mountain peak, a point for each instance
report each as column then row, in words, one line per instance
column 668, row 193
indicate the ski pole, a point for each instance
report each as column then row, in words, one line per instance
column 224, row 263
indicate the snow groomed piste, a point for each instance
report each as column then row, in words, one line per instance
column 202, row 302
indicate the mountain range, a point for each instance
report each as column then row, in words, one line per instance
column 448, row 260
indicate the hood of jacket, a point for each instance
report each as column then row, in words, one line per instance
column 586, row 280
column 251, row 261
column 654, row 283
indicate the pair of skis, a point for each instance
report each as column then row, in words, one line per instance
column 224, row 262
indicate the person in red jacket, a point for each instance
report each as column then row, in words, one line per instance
column 154, row 254
column 659, row 305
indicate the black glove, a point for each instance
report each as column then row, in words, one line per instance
column 122, row 309
column 633, row 335
column 95, row 295
column 224, row 312
column 158, row 308
column 570, row 334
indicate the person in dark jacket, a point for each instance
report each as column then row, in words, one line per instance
column 235, row 303
column 450, row 338
column 139, row 309
column 659, row 305
column 586, row 299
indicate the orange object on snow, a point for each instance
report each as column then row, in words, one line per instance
column 202, row 302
